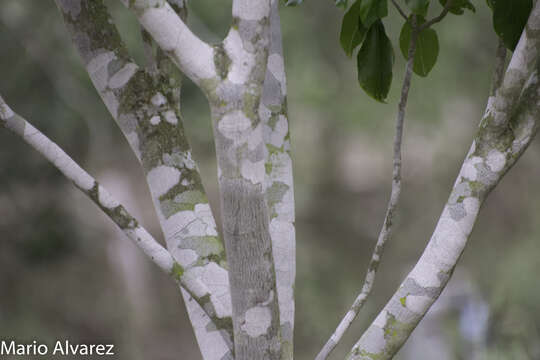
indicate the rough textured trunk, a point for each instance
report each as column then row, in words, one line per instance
column 251, row 138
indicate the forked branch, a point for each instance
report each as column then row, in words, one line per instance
column 192, row 55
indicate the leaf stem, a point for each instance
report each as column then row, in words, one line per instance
column 400, row 11
column 436, row 19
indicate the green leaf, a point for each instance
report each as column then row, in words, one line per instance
column 427, row 48
column 352, row 30
column 458, row 6
column 509, row 19
column 341, row 3
column 419, row 7
column 371, row 10
column 375, row 60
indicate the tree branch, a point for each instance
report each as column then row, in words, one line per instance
column 492, row 154
column 147, row 109
column 503, row 101
column 194, row 57
column 88, row 185
column 386, row 229
column 279, row 187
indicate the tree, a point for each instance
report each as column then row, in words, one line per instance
column 241, row 305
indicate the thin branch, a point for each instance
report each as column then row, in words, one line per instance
column 279, row 184
column 386, row 229
column 400, row 11
column 502, row 101
column 437, row 19
column 84, row 182
column 491, row 152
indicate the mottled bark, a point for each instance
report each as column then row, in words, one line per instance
column 240, row 149
column 192, row 55
column 232, row 75
column 145, row 105
column 279, row 179
column 507, row 128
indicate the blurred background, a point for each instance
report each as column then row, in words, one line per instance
column 67, row 273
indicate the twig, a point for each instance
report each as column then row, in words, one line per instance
column 386, row 229
column 400, row 11
column 436, row 19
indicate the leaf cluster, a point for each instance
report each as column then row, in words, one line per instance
column 362, row 27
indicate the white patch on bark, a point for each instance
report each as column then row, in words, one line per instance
column 235, row 126
column 448, row 240
column 186, row 257
column 283, row 242
column 252, row 171
column 468, row 170
column 257, row 321
column 196, row 58
column 204, row 212
column 277, row 136
column 122, row 77
column 154, row 120
column 105, row 199
column 380, row 320
column 97, row 69
column 170, row 117
column 211, row 342
column 162, row 179
column 417, row 304
column 217, row 280
column 277, row 67
column 496, row 160
column 285, row 208
column 242, row 62
column 189, row 223
column 425, row 272
column 158, row 99
column 251, row 10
